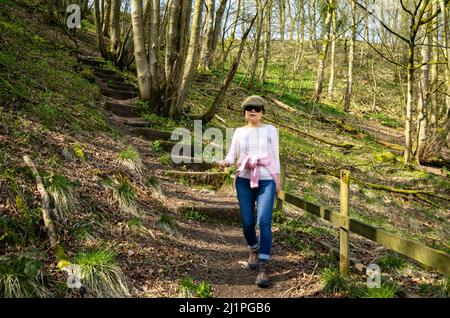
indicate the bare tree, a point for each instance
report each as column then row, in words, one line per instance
column 351, row 57
column 330, row 4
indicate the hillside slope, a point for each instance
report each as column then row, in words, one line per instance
column 126, row 216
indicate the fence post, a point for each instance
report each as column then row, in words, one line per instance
column 343, row 232
column 282, row 180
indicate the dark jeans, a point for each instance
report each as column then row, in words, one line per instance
column 264, row 197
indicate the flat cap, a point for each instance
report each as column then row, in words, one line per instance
column 253, row 100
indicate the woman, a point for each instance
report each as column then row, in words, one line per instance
column 257, row 181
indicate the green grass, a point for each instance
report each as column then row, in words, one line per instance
column 167, row 223
column 20, row 277
column 391, row 262
column 60, row 189
column 333, row 281
column 189, row 289
column 101, row 274
column 388, row 289
column 123, row 193
column 196, row 216
column 165, row 159
column 384, row 119
column 130, row 159
column 440, row 289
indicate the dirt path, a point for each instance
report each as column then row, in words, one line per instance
column 213, row 251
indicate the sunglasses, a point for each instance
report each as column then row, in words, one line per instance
column 256, row 108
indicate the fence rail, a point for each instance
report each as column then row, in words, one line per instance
column 423, row 254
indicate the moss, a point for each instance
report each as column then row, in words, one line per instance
column 78, row 151
column 385, row 157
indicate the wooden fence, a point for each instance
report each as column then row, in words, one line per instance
column 423, row 254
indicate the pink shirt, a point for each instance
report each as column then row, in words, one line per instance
column 258, row 153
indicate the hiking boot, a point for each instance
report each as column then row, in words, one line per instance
column 253, row 259
column 262, row 280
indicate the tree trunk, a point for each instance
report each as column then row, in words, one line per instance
column 324, row 51
column 206, row 52
column 410, row 68
column 143, row 72
column 191, row 57
column 98, row 27
column 267, row 38
column 423, row 98
column 107, row 17
column 153, row 59
column 255, row 52
column 230, row 41
column 185, row 21
column 115, row 29
column 282, row 11
column 434, row 79
column 172, row 37
column 217, row 25
column 351, row 55
column 446, row 35
column 173, row 59
column 209, row 115
column 333, row 55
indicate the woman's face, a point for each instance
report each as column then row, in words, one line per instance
column 252, row 116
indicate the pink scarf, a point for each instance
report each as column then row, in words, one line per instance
column 253, row 163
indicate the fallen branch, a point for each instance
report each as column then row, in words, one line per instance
column 339, row 123
column 415, row 192
column 48, row 223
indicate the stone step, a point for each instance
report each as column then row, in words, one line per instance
column 90, row 60
column 104, row 71
column 114, row 83
column 123, row 109
column 151, row 134
column 131, row 122
column 226, row 212
column 192, row 178
column 108, row 77
column 121, row 86
column 120, row 95
column 188, row 163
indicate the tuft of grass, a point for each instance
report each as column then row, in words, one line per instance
column 123, row 193
column 20, row 277
column 60, row 189
column 333, row 281
column 167, row 223
column 152, row 181
column 165, row 159
column 130, row 159
column 204, row 290
column 101, row 274
column 189, row 289
column 196, row 216
column 387, row 289
column 440, row 289
column 156, row 146
column 135, row 222
column 391, row 262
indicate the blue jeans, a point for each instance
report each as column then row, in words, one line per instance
column 264, row 196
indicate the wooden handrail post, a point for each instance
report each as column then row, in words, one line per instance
column 343, row 232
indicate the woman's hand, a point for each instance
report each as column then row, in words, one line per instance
column 223, row 164
column 278, row 185
column 278, row 189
